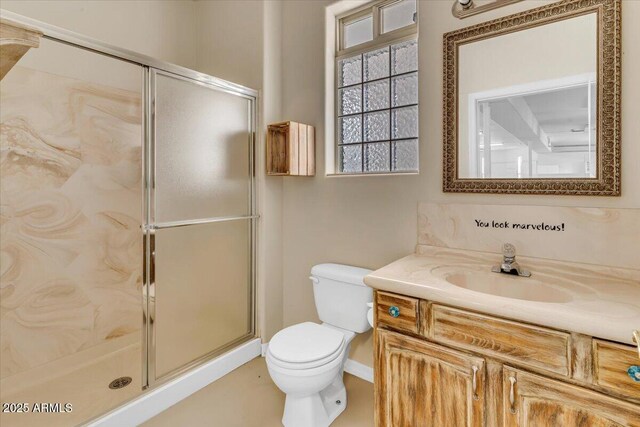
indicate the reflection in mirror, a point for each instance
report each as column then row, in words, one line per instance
column 545, row 133
column 527, row 103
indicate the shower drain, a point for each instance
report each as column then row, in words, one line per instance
column 119, row 383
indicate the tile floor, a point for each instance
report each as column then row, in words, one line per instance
column 248, row 398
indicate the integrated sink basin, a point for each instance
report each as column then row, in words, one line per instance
column 503, row 285
column 591, row 300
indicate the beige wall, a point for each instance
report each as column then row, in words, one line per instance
column 162, row 29
column 270, row 297
column 370, row 221
column 230, row 40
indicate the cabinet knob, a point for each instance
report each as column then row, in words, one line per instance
column 394, row 311
column 634, row 373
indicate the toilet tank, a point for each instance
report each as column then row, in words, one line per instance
column 341, row 296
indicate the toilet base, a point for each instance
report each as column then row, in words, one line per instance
column 318, row 409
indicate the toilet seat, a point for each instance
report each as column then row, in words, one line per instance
column 305, row 346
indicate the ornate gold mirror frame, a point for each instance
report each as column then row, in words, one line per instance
column 607, row 181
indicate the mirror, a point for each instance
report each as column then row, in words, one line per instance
column 532, row 102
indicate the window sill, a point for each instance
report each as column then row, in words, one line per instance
column 355, row 175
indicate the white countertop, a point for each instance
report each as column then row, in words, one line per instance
column 604, row 303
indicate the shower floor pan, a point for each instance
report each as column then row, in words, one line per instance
column 81, row 380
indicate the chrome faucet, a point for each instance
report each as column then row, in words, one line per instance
column 509, row 264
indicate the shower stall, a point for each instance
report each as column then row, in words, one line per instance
column 127, row 226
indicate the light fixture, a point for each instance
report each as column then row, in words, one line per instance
column 464, row 8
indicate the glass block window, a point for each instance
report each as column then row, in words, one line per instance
column 377, row 88
column 377, row 109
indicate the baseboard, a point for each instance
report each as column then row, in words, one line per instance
column 359, row 370
column 265, row 347
column 152, row 403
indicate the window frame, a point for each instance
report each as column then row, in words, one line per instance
column 379, row 40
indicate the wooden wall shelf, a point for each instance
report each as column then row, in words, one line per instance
column 291, row 149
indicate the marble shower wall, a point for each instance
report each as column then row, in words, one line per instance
column 70, row 216
column 599, row 236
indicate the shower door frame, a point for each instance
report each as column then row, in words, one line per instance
column 149, row 376
column 150, row 66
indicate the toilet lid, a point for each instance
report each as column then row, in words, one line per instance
column 305, row 342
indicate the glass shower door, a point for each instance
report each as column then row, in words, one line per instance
column 200, row 223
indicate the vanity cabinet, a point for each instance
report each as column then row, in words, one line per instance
column 531, row 400
column 611, row 363
column 442, row 366
column 424, row 384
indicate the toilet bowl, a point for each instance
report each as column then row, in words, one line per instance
column 306, row 361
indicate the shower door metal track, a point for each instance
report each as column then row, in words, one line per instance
column 150, row 67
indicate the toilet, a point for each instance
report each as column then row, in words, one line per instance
column 306, row 361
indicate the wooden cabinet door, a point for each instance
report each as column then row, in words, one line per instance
column 420, row 384
column 535, row 401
